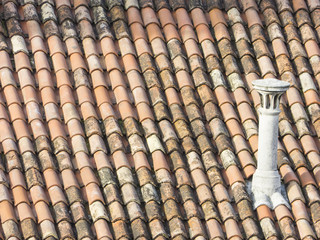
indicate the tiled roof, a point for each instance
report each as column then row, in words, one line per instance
column 137, row 119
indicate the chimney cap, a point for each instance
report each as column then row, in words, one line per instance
column 270, row 85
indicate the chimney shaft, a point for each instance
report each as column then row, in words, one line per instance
column 266, row 183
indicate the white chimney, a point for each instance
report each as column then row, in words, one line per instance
column 266, row 182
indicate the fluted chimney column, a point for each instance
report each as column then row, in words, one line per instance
column 266, row 182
